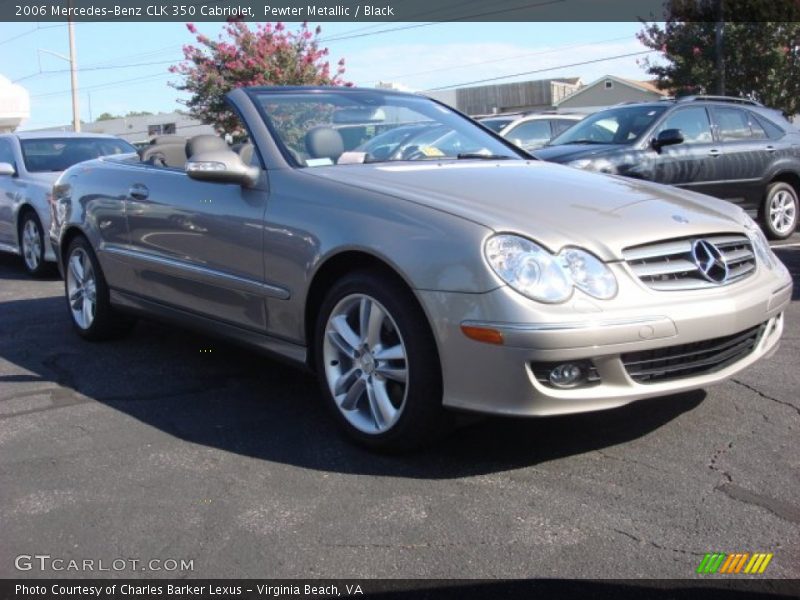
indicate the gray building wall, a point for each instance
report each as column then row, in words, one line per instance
column 138, row 129
column 508, row 97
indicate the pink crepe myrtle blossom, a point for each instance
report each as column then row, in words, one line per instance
column 268, row 54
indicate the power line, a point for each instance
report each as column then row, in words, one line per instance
column 502, row 59
column 578, row 64
column 34, row 30
column 105, row 85
column 428, row 24
column 103, row 68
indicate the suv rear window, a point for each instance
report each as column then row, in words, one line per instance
column 732, row 124
column 773, row 131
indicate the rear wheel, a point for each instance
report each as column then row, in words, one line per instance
column 88, row 297
column 377, row 363
column 31, row 243
column 780, row 210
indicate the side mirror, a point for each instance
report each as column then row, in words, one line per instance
column 7, row 169
column 221, row 166
column 668, row 137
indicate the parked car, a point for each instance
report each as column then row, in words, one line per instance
column 531, row 131
column 727, row 147
column 29, row 165
column 481, row 281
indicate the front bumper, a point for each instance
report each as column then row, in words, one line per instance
column 500, row 379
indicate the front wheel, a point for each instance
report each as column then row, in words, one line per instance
column 87, row 294
column 377, row 363
column 780, row 211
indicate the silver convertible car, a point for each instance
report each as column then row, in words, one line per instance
column 467, row 276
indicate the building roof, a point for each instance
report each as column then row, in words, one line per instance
column 644, row 86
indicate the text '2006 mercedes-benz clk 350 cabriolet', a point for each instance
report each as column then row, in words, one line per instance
column 418, row 262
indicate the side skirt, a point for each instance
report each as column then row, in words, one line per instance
column 278, row 348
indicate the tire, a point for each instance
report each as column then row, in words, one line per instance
column 87, row 295
column 780, row 211
column 31, row 244
column 382, row 382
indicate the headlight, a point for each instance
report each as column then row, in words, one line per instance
column 599, row 165
column 760, row 244
column 536, row 273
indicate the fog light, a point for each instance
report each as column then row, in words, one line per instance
column 567, row 375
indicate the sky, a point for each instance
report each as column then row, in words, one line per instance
column 420, row 57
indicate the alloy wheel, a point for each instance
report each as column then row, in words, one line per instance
column 782, row 211
column 366, row 365
column 31, row 244
column 81, row 288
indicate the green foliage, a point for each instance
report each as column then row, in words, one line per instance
column 761, row 50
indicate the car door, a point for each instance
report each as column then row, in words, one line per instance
column 8, row 194
column 693, row 164
column 530, row 135
column 198, row 246
column 746, row 152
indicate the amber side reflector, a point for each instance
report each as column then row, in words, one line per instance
column 482, row 334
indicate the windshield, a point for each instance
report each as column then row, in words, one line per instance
column 319, row 128
column 58, row 154
column 622, row 125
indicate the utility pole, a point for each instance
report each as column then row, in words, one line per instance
column 73, row 71
column 719, row 47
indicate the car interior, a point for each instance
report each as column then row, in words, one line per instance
column 173, row 151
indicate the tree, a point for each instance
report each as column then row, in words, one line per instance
column 133, row 113
column 268, row 55
column 761, row 49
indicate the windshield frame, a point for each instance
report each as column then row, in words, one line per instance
column 69, row 139
column 597, row 116
column 254, row 94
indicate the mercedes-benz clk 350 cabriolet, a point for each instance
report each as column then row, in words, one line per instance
column 440, row 268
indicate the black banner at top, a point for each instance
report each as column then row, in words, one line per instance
column 392, row 10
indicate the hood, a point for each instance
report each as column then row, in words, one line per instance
column 47, row 178
column 567, row 152
column 552, row 204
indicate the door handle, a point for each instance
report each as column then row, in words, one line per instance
column 770, row 148
column 714, row 152
column 138, row 191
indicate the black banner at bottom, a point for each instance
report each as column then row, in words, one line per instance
column 381, row 589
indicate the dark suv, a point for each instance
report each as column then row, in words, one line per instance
column 730, row 148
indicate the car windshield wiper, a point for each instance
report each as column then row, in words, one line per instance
column 584, row 142
column 464, row 155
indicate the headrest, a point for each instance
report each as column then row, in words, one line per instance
column 324, row 142
column 168, row 139
column 165, row 155
column 205, row 143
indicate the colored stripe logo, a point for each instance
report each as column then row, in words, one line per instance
column 734, row 564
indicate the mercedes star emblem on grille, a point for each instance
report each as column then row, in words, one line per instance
column 710, row 261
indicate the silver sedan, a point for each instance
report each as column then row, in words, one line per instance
column 30, row 163
column 458, row 276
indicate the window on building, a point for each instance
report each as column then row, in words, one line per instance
column 609, row 84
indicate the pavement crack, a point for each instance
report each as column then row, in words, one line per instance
column 712, row 464
column 779, row 508
column 655, row 545
column 766, row 396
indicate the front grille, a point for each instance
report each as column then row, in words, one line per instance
column 687, row 360
column 668, row 266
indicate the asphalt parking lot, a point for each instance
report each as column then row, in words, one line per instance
column 169, row 445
